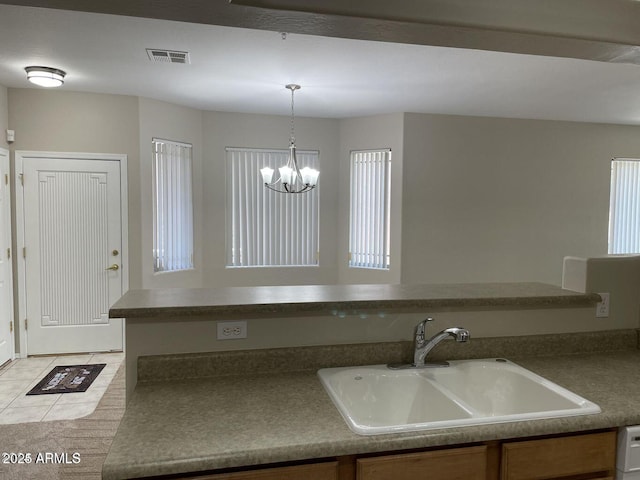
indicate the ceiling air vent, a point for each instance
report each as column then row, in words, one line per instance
column 167, row 56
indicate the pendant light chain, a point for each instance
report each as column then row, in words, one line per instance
column 293, row 88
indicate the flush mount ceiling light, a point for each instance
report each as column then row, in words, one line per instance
column 291, row 179
column 45, row 76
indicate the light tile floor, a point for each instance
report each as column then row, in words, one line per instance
column 21, row 375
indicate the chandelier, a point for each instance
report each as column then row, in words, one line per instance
column 291, row 179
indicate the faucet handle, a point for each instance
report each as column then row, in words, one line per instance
column 420, row 338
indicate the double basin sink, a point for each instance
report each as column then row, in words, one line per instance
column 375, row 399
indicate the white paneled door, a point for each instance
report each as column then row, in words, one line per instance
column 6, row 272
column 73, row 254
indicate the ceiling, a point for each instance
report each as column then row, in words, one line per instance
column 245, row 70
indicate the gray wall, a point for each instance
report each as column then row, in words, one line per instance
column 4, row 116
column 481, row 199
column 210, row 133
column 474, row 198
column 84, row 122
column 490, row 199
column 380, row 131
column 618, row 275
column 180, row 124
column 267, row 131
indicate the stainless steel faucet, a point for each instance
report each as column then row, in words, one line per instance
column 422, row 346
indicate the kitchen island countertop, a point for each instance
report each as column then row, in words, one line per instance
column 178, row 426
column 299, row 300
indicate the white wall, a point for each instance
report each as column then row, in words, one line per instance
column 365, row 133
column 221, row 130
column 180, row 124
column 491, row 199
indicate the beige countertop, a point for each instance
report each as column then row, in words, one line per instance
column 177, row 426
column 324, row 299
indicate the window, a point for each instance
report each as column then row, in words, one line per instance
column 369, row 220
column 172, row 206
column 266, row 228
column 624, row 206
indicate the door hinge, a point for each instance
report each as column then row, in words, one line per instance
column 26, row 324
column 6, row 179
column 8, row 253
column 21, row 179
column 24, row 252
column 10, row 327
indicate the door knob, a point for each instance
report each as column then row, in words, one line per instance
column 113, row 267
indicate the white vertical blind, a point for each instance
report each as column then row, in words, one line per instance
column 172, row 206
column 369, row 221
column 267, row 228
column 624, row 206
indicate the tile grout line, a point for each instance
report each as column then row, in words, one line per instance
column 49, row 409
column 46, row 369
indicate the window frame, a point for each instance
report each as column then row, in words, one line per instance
column 184, row 235
column 624, row 181
column 269, row 219
column 364, row 251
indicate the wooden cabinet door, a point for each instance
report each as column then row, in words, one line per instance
column 315, row 471
column 451, row 464
column 560, row 457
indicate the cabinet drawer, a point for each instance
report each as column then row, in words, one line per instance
column 559, row 457
column 316, row 471
column 453, row 464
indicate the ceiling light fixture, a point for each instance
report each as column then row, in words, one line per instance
column 45, row 76
column 291, row 179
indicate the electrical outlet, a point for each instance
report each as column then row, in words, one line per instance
column 602, row 308
column 232, row 330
